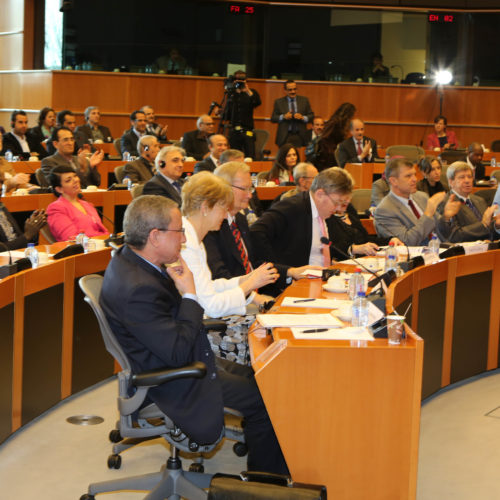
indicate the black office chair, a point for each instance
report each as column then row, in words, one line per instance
column 141, row 422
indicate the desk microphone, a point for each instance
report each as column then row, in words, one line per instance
column 10, row 268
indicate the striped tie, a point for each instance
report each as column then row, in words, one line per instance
column 241, row 248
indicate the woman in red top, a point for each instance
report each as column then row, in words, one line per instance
column 286, row 159
column 442, row 138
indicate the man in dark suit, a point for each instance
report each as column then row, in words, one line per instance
column 152, row 128
column 18, row 142
column 66, row 118
column 195, row 142
column 131, row 137
column 474, row 220
column 217, row 144
column 318, row 125
column 358, row 148
column 169, row 168
column 475, row 154
column 292, row 113
column 141, row 170
column 92, row 131
column 157, row 320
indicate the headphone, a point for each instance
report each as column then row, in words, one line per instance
column 146, row 148
column 161, row 164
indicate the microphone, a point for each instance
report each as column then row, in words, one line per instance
column 10, row 268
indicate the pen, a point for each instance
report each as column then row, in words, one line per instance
column 315, row 330
column 303, row 300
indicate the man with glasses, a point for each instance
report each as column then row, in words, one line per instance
column 84, row 166
column 195, row 143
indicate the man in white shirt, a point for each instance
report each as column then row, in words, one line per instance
column 17, row 142
column 358, row 148
column 131, row 137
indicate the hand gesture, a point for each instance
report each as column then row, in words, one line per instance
column 296, row 272
column 96, row 158
column 163, row 131
column 262, row 276
column 34, row 223
column 487, row 215
column 367, row 149
column 298, row 116
column 451, row 207
column 182, row 277
column 20, row 179
column 368, row 248
column 433, row 202
column 288, row 116
column 396, row 241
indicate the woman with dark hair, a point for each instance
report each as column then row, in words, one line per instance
column 282, row 170
column 431, row 168
column 441, row 137
column 70, row 215
column 336, row 130
column 43, row 131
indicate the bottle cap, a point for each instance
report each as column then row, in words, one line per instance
column 357, row 270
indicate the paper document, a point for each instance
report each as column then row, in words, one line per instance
column 318, row 303
column 349, row 333
column 312, row 273
column 301, row 320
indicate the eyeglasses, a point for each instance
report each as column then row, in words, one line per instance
column 182, row 230
column 248, row 190
column 208, row 124
column 339, row 203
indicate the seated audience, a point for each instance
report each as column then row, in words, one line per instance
column 152, row 128
column 11, row 235
column 66, row 118
column 431, row 169
column 376, row 68
column 318, row 125
column 475, row 154
column 70, row 215
column 43, row 131
column 131, row 137
column 169, row 169
column 18, row 142
column 406, row 213
column 157, row 319
column 303, row 175
column 217, row 144
column 92, row 131
column 282, row 169
column 85, row 168
column 195, row 142
column 358, row 148
column 380, row 189
column 10, row 177
column 173, row 63
column 143, row 169
column 473, row 220
column 441, row 137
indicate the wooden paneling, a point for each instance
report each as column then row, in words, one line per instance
column 26, row 90
column 11, row 50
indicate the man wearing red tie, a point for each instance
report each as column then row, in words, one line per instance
column 358, row 148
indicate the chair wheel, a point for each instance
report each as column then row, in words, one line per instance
column 114, row 462
column 87, row 497
column 240, row 449
column 196, row 467
column 115, row 436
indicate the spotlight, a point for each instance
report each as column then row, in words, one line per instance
column 443, row 77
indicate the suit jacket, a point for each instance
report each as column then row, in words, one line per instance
column 129, row 142
column 392, row 218
column 158, row 329
column 11, row 143
column 380, row 189
column 206, row 164
column 91, row 176
column 479, row 172
column 19, row 241
column 347, row 151
column 80, row 141
column 281, row 107
column 86, row 132
column 465, row 226
column 195, row 144
column 37, row 135
column 159, row 185
column 283, row 234
column 138, row 171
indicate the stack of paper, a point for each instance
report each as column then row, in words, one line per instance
column 349, row 333
column 317, row 303
column 299, row 320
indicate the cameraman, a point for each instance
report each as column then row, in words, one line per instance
column 240, row 105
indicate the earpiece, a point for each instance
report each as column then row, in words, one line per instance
column 161, row 164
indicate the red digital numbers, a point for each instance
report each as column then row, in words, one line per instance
column 433, row 18
column 249, row 9
column 243, row 9
column 235, row 9
column 448, row 18
column 441, row 18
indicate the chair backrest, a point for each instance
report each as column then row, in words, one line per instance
column 451, row 156
column 137, row 190
column 47, row 234
column 40, row 178
column 487, row 195
column 412, row 153
column 495, row 146
column 119, row 174
column 91, row 286
column 261, row 138
column 496, row 175
column 263, row 175
column 361, row 199
column 118, row 146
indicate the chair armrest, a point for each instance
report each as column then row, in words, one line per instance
column 157, row 377
column 217, row 325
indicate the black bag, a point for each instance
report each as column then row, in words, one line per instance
column 262, row 486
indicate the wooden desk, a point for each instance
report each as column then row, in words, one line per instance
column 346, row 413
column 430, row 152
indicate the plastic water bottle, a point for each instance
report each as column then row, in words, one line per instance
column 8, row 155
column 83, row 240
column 126, row 156
column 360, row 310
column 4, row 189
column 434, row 245
column 32, row 253
column 251, row 217
column 128, row 182
column 391, row 258
column 493, row 162
column 356, row 284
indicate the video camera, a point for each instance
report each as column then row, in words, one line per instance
column 231, row 83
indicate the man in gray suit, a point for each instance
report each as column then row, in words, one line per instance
column 141, row 170
column 474, row 219
column 292, row 113
column 167, row 181
column 406, row 213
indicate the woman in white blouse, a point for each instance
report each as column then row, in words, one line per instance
column 205, row 202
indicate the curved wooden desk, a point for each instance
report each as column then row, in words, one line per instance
column 346, row 413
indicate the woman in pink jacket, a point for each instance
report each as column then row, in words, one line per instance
column 70, row 215
column 441, row 137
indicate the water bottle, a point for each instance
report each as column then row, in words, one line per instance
column 126, row 156
column 251, row 217
column 4, row 189
column 83, row 240
column 387, row 158
column 32, row 253
column 360, row 310
column 391, row 258
column 356, row 284
column 434, row 245
column 493, row 162
column 8, row 155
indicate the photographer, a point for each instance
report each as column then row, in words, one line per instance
column 241, row 101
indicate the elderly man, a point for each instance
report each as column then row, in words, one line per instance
column 474, row 220
column 156, row 318
column 217, row 144
column 475, row 154
column 231, row 155
column 92, row 130
column 142, row 169
column 152, row 128
column 169, row 169
column 406, row 213
column 85, row 168
column 18, row 142
column 195, row 142
column 303, row 176
column 292, row 113
column 131, row 137
column 358, row 148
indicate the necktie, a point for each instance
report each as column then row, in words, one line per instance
column 241, row 248
column 324, row 248
column 413, row 208
column 360, row 149
column 473, row 208
column 176, row 186
column 293, row 110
